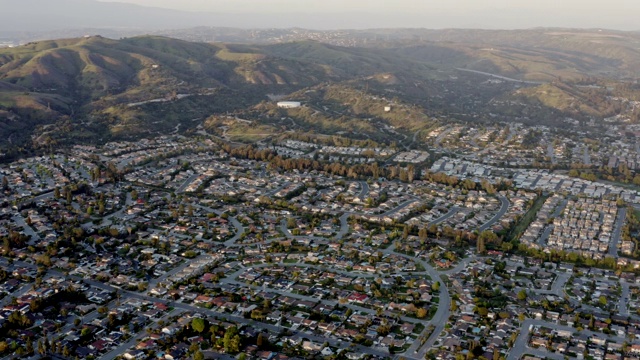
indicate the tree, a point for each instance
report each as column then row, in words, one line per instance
column 522, row 295
column 481, row 245
column 435, row 286
column 41, row 347
column 421, row 313
column 197, row 324
column 602, row 300
column 454, row 305
column 485, row 237
column 231, row 340
column 198, row 355
column 261, row 342
column 483, row 311
column 383, row 329
column 422, row 234
column 96, row 174
column 5, row 183
column 496, row 354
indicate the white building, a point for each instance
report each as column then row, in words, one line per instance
column 289, row 104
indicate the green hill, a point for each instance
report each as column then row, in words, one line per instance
column 135, row 86
column 146, row 85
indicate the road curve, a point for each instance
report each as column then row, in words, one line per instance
column 503, row 210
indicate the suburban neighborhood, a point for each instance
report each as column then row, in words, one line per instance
column 174, row 248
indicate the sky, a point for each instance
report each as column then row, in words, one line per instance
column 18, row 16
column 568, row 7
column 612, row 14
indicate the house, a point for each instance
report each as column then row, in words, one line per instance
column 135, row 355
column 407, row 328
column 357, row 298
column 311, row 346
column 326, row 352
column 538, row 342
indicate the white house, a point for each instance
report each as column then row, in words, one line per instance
column 289, row 104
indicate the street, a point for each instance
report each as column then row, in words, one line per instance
column 503, row 210
column 365, row 190
column 617, row 232
column 450, row 213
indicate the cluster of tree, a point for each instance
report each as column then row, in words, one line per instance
column 45, row 346
column 555, row 255
column 532, row 139
column 14, row 240
column 487, row 237
column 360, row 171
column 585, row 175
column 631, row 229
column 334, row 140
column 487, row 297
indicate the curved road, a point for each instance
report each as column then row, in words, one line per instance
column 439, row 320
column 454, row 209
column 503, row 210
column 365, row 189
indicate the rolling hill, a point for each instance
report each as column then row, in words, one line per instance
column 137, row 85
column 98, row 89
column 95, row 88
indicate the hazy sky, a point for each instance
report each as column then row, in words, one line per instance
column 613, row 14
column 45, row 15
column 595, row 7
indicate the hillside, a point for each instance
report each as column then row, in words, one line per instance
column 98, row 89
column 351, row 60
column 542, row 54
column 345, row 109
column 147, row 85
column 121, row 87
